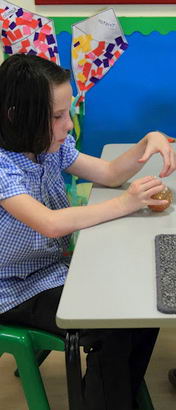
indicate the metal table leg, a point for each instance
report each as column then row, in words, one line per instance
column 73, row 369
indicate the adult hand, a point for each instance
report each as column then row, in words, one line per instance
column 157, row 142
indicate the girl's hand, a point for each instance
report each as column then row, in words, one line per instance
column 157, row 142
column 139, row 193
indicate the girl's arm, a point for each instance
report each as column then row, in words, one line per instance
column 114, row 173
column 58, row 223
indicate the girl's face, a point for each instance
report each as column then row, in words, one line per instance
column 61, row 121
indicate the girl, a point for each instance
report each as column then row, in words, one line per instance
column 36, row 220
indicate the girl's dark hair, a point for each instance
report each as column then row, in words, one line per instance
column 26, row 102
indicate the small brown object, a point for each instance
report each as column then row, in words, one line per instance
column 165, row 194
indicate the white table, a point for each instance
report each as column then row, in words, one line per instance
column 111, row 280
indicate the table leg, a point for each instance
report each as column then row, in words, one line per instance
column 73, row 369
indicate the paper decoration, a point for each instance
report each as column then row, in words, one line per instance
column 26, row 32
column 97, row 44
column 1, row 48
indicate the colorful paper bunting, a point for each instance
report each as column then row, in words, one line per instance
column 26, row 32
column 1, row 49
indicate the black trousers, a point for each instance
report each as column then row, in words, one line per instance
column 117, row 359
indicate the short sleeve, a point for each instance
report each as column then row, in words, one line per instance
column 68, row 153
column 11, row 179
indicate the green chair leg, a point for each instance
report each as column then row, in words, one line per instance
column 40, row 357
column 25, row 345
column 143, row 398
column 31, row 379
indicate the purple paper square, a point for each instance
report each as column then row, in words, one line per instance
column 110, row 47
column 8, row 49
column 124, row 46
column 19, row 12
column 106, row 62
column 77, row 44
column 118, row 40
column 55, row 49
column 32, row 52
column 4, row 34
column 12, row 25
column 36, row 35
column 108, row 55
column 51, row 52
column 50, row 39
column 39, row 22
column 94, row 80
column 98, row 62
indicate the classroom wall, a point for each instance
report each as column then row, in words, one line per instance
column 138, row 94
column 88, row 10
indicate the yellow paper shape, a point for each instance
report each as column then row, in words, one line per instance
column 82, row 62
column 74, row 53
column 81, row 77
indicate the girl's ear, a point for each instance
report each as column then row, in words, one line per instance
column 11, row 112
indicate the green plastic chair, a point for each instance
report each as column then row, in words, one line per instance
column 25, row 345
column 143, row 398
column 30, row 347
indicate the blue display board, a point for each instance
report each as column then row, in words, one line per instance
column 137, row 95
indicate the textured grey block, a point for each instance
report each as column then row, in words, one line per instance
column 165, row 255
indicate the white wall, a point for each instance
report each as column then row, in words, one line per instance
column 88, row 10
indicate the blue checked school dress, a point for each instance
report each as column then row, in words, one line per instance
column 31, row 263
